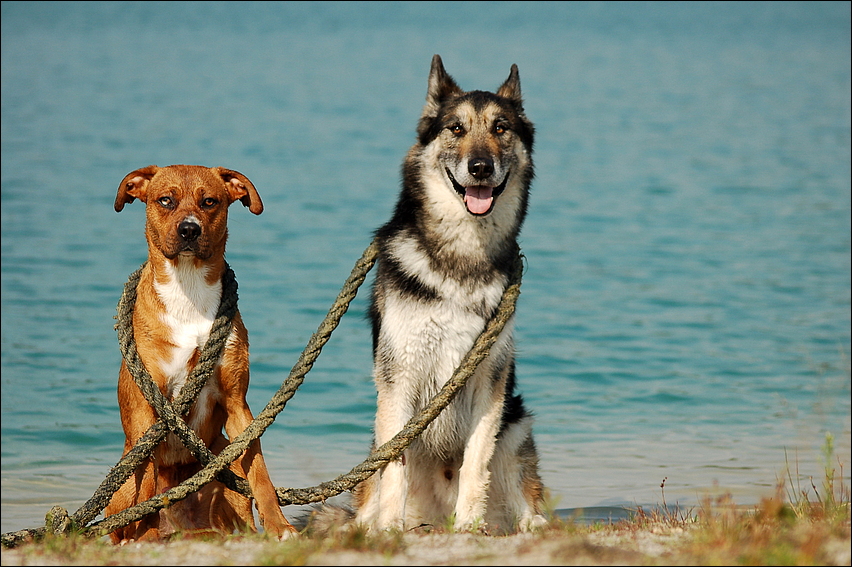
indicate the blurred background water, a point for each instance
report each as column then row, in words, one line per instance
column 685, row 314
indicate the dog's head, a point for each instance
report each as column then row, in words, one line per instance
column 480, row 141
column 187, row 206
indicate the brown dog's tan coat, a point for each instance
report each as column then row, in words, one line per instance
column 177, row 298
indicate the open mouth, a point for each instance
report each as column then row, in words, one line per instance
column 479, row 199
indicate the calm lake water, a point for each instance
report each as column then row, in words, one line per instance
column 685, row 314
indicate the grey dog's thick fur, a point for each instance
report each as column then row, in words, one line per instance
column 444, row 262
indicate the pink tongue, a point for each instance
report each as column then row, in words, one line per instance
column 478, row 199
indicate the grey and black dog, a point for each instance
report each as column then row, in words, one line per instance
column 445, row 259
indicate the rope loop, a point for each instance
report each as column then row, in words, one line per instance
column 170, row 414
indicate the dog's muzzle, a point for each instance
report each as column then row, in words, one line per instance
column 189, row 231
column 188, row 241
column 479, row 199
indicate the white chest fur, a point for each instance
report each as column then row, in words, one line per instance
column 426, row 340
column 190, row 309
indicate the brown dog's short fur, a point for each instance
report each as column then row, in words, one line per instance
column 177, row 299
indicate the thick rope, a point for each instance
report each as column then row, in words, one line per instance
column 379, row 457
column 143, row 448
column 202, row 372
column 391, row 450
column 267, row 416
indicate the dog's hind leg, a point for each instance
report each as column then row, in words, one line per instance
column 366, row 496
column 516, row 493
column 138, row 488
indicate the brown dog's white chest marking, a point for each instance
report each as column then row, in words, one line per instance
column 189, row 308
column 190, row 304
column 177, row 299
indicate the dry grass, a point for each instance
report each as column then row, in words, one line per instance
column 798, row 526
column 777, row 532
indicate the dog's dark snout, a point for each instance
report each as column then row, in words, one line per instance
column 189, row 231
column 480, row 167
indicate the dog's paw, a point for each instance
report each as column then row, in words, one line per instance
column 532, row 523
column 280, row 530
column 288, row 534
column 474, row 526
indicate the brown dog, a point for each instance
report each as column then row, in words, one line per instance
column 177, row 299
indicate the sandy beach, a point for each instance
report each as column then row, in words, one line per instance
column 645, row 547
column 652, row 544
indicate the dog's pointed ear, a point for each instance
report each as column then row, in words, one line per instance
column 134, row 186
column 441, row 87
column 239, row 187
column 511, row 88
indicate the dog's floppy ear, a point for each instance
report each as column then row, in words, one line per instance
column 441, row 87
column 239, row 187
column 134, row 186
column 511, row 89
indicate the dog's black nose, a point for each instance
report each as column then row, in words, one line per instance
column 189, row 231
column 481, row 167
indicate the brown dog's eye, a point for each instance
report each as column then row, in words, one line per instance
column 209, row 202
column 166, row 202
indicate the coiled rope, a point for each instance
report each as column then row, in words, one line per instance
column 57, row 520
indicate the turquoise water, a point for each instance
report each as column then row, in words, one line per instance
column 685, row 313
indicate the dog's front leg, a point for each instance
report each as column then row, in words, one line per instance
column 233, row 378
column 392, row 492
column 138, row 488
column 254, row 466
column 474, row 475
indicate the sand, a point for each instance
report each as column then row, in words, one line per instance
column 653, row 545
